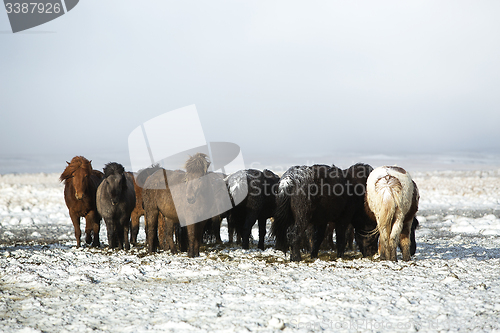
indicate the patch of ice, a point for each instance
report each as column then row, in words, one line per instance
column 487, row 225
column 451, row 284
column 26, row 221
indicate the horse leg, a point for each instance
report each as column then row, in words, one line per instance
column 110, row 228
column 191, row 232
column 151, row 217
column 319, row 235
column 330, row 227
column 295, row 252
column 216, row 221
column 119, row 234
column 134, row 227
column 198, row 240
column 397, row 228
column 230, row 228
column 95, row 221
column 116, row 239
column 384, row 251
column 230, row 231
column 413, row 241
column 295, row 234
column 340, row 232
column 182, row 241
column 162, row 232
column 124, row 235
column 169, row 235
column 404, row 240
column 341, row 226
column 89, row 227
column 262, row 232
column 76, row 224
column 247, row 229
column 350, row 237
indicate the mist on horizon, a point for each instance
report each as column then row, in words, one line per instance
column 285, row 80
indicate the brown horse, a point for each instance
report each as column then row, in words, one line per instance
column 180, row 197
column 80, row 186
column 137, row 212
column 139, row 179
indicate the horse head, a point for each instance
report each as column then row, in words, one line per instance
column 196, row 167
column 115, row 180
column 79, row 171
column 366, row 235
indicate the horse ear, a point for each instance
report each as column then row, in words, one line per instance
column 208, row 164
column 68, row 162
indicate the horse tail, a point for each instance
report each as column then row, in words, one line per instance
column 387, row 200
column 282, row 219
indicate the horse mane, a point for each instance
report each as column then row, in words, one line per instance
column 113, row 168
column 197, row 164
column 76, row 163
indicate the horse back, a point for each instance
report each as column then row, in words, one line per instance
column 156, row 192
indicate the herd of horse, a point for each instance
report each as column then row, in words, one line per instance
column 375, row 207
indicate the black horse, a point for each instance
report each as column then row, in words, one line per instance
column 413, row 244
column 313, row 196
column 115, row 202
column 364, row 227
column 259, row 204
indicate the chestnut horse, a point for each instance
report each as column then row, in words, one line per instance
column 80, row 186
column 392, row 200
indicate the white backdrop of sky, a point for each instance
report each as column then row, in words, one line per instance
column 279, row 78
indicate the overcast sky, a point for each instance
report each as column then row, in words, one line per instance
column 279, row 78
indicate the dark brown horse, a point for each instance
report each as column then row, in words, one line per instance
column 115, row 202
column 80, row 186
column 179, row 196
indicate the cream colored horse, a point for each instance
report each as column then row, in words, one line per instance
column 392, row 200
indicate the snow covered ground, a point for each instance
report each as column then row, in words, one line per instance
column 452, row 283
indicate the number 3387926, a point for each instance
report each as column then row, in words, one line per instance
column 33, row 7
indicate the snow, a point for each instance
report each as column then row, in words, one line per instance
column 452, row 283
column 295, row 175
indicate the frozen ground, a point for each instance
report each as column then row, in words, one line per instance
column 452, row 283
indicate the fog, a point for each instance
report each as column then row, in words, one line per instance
column 282, row 79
